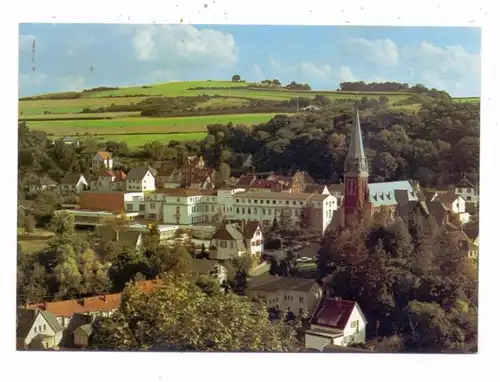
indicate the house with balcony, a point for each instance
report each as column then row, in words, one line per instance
column 335, row 321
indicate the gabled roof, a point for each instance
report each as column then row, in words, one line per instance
column 447, row 197
column 314, row 189
column 71, row 178
column 125, row 238
column 472, row 231
column 185, row 192
column 336, row 188
column 250, row 228
column 86, row 329
column 28, row 317
column 333, row 312
column 138, row 173
column 104, row 155
column 439, row 211
column 203, row 266
column 228, row 232
column 269, row 284
column 245, row 180
column 464, row 183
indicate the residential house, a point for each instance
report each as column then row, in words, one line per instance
column 112, row 201
column 227, row 243
column 102, row 160
column 73, row 182
column 108, row 180
column 169, row 177
column 472, row 232
column 253, row 235
column 465, row 245
column 127, row 238
column 469, row 192
column 452, row 202
column 71, row 141
column 211, row 268
column 42, row 183
column 336, row 321
column 140, row 179
column 294, row 295
column 38, row 329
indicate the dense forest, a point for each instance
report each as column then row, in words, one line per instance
column 434, row 146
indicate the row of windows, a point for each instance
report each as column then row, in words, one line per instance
column 293, row 202
column 41, row 328
column 263, row 211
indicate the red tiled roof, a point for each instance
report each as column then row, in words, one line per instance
column 102, row 201
column 245, row 180
column 333, row 312
column 102, row 303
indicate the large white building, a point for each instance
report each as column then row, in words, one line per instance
column 191, row 206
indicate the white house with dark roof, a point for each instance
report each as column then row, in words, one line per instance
column 336, row 321
column 140, row 179
column 467, row 190
column 226, row 243
column 253, row 235
column 38, row 329
column 285, row 294
column 73, row 182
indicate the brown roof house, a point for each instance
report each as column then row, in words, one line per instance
column 73, row 182
column 227, row 243
column 336, row 321
column 102, row 159
column 127, row 238
column 289, row 295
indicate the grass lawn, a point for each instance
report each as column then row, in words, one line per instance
column 69, row 116
column 72, row 105
column 138, row 140
column 145, row 125
column 33, row 242
column 467, row 99
column 307, row 270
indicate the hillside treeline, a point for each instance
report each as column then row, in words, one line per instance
column 361, row 86
column 435, row 146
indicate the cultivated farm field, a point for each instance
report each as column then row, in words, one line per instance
column 145, row 125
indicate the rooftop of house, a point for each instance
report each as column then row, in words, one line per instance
column 104, row 155
column 464, row 183
column 249, row 229
column 282, row 196
column 228, row 232
column 103, row 303
column 126, row 238
column 71, row 178
column 447, row 197
column 185, row 192
column 472, row 231
column 28, row 317
column 333, row 312
column 336, row 188
column 314, row 188
column 202, row 266
column 268, row 284
column 138, row 173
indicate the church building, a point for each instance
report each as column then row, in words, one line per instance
column 360, row 196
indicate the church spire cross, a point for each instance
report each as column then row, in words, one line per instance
column 356, row 161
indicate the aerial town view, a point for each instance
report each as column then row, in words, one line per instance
column 213, row 188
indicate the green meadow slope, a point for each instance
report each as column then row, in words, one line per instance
column 62, row 114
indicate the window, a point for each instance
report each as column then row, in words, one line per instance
column 255, row 201
column 469, row 190
column 152, row 205
column 212, row 208
column 269, row 212
column 469, row 198
column 287, row 202
column 35, row 329
column 263, row 211
column 44, row 327
column 261, row 202
column 237, row 210
column 253, row 243
column 274, row 201
column 301, row 311
column 267, row 201
column 232, row 245
column 243, row 210
column 301, row 300
column 354, row 324
column 237, row 200
column 255, row 211
column 294, row 202
column 178, row 200
column 130, row 206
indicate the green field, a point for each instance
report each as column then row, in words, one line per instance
column 65, row 118
column 87, row 116
column 138, row 140
column 145, row 125
column 72, row 105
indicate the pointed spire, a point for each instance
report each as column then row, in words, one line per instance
column 356, row 158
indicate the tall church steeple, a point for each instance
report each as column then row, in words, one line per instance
column 355, row 173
